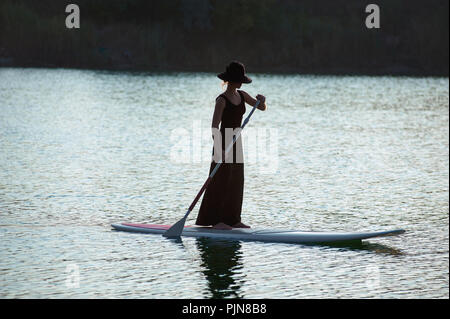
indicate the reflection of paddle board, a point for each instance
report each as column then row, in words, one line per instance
column 268, row 235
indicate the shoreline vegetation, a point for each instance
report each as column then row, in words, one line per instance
column 269, row 36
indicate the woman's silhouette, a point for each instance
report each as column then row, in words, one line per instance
column 222, row 201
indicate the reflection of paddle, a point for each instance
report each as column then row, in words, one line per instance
column 177, row 228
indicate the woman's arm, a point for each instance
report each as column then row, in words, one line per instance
column 249, row 100
column 217, row 117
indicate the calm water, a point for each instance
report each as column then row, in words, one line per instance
column 80, row 150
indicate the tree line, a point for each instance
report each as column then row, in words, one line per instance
column 293, row 36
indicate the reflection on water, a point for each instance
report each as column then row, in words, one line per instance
column 363, row 246
column 223, row 269
column 220, row 261
column 381, row 249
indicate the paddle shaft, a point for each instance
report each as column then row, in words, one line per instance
column 208, row 180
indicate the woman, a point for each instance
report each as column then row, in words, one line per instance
column 222, row 201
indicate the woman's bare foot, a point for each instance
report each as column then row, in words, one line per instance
column 240, row 225
column 222, row 226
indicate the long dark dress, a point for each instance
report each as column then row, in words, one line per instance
column 222, row 201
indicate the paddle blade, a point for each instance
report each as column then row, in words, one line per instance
column 176, row 229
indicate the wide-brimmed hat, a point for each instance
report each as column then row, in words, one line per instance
column 235, row 72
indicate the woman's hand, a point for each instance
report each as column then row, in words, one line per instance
column 262, row 102
column 250, row 100
column 261, row 98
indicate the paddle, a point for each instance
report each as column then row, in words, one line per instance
column 177, row 228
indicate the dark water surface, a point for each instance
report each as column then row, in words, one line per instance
column 80, row 150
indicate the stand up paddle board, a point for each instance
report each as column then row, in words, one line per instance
column 267, row 235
